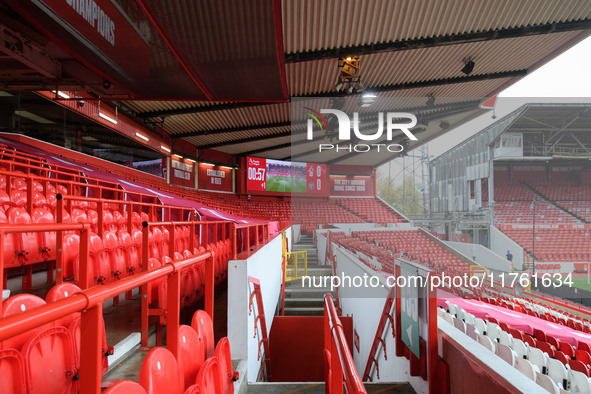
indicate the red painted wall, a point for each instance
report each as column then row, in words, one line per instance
column 299, row 357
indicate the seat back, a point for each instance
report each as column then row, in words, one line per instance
column 505, row 353
column 486, row 342
column 50, row 362
column 46, row 239
column 118, row 255
column 94, row 248
column 59, row 292
column 125, row 387
column 557, row 371
column 160, row 373
column 74, row 329
column 203, row 325
column 12, row 372
column 224, row 357
column 472, row 332
column 519, row 347
column 17, row 304
column 210, row 377
column 579, row 383
column 28, row 242
column 547, row 383
column 191, row 355
column 526, row 368
column 71, row 250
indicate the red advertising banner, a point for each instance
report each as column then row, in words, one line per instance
column 214, row 177
column 256, row 177
column 316, row 178
column 351, row 186
column 182, row 172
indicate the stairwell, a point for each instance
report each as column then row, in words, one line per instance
column 302, row 299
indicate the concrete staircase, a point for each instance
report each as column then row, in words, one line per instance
column 304, row 299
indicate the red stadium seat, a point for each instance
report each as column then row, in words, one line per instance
column 224, row 357
column 59, row 292
column 118, row 255
column 210, row 377
column 579, row 366
column 160, row 373
column 153, row 245
column 12, row 372
column 50, row 362
column 529, row 340
column 28, row 243
column 583, row 356
column 71, row 250
column 74, row 329
column 567, row 349
column 125, row 387
column 46, row 239
column 203, row 325
column 194, row 389
column 191, row 354
column 539, row 335
column 17, row 304
column 94, row 247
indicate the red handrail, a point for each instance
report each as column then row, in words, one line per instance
column 90, row 303
column 341, row 362
column 378, row 339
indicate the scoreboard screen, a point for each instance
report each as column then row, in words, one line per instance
column 267, row 175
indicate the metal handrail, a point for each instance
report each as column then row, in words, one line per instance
column 335, row 343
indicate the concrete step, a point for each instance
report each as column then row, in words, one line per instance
column 318, row 388
column 307, row 293
column 304, row 303
column 305, row 311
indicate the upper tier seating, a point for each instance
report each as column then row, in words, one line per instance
column 371, row 210
column 383, row 247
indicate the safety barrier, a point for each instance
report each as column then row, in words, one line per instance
column 209, row 269
column 296, row 265
column 90, row 303
column 337, row 356
column 246, row 235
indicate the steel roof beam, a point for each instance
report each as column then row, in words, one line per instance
column 432, row 42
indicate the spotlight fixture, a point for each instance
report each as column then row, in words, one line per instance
column 106, row 84
column 444, row 124
column 81, row 103
column 430, row 101
column 468, row 66
column 349, row 74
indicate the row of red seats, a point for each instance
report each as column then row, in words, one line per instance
column 45, row 359
column 198, row 369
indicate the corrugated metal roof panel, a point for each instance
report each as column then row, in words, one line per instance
column 314, row 25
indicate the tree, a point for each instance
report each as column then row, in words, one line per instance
column 404, row 196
